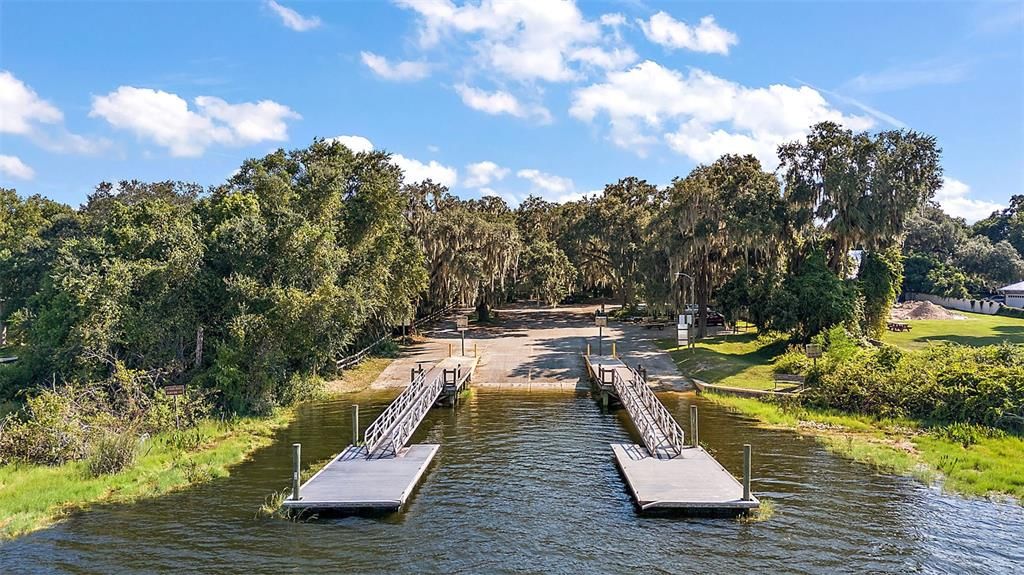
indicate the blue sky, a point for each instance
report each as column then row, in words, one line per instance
column 500, row 97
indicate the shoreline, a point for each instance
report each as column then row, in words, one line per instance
column 33, row 497
column 984, row 469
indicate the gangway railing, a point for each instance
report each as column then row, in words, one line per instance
column 396, row 424
column 662, row 435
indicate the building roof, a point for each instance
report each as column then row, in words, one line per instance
column 1019, row 286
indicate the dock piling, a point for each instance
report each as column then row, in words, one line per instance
column 355, row 424
column 296, row 475
column 693, row 426
column 746, row 472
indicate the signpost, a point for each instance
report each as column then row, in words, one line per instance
column 174, row 391
column 462, row 322
column 601, row 321
column 813, row 351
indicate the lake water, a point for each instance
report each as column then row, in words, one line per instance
column 525, row 483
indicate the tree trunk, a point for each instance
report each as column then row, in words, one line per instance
column 483, row 311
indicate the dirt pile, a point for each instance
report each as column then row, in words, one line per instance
column 921, row 310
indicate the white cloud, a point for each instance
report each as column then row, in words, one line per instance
column 500, row 102
column 399, row 72
column 355, row 143
column 417, row 171
column 26, row 114
column 523, row 39
column 613, row 20
column 22, row 107
column 953, row 197
column 549, row 183
column 707, row 36
column 613, row 59
column 710, row 115
column 483, row 173
column 293, row 19
column 13, row 166
column 166, row 119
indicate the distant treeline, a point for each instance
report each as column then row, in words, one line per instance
column 251, row 288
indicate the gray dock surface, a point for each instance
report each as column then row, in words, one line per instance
column 350, row 482
column 692, row 482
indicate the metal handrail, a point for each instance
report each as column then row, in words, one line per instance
column 389, row 432
column 355, row 358
column 659, row 430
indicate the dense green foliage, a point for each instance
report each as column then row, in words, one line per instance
column 947, row 257
column 939, row 384
column 250, row 290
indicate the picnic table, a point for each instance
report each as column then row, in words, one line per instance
column 899, row 326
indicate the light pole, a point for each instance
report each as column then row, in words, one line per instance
column 689, row 277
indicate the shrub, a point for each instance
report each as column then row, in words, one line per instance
column 113, row 452
column 793, row 361
column 942, row 384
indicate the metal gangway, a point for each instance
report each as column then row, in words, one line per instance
column 662, row 435
column 395, row 425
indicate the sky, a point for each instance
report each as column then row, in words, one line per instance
column 501, row 97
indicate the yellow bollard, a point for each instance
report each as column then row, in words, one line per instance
column 613, row 349
column 449, row 350
column 474, row 351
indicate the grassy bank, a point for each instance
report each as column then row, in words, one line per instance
column 360, row 377
column 35, row 496
column 741, row 360
column 990, row 466
column 977, row 329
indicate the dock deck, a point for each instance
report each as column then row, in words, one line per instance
column 691, row 483
column 664, row 474
column 380, row 473
column 352, row 483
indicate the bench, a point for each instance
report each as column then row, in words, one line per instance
column 789, row 378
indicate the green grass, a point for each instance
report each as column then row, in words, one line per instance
column 977, row 330
column 991, row 467
column 742, row 360
column 35, row 496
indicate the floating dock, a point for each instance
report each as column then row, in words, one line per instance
column 380, row 473
column 353, row 483
column 690, row 483
column 665, row 474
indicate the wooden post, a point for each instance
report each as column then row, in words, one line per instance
column 746, row 472
column 296, row 475
column 355, row 424
column 449, row 350
column 474, row 350
column 693, row 426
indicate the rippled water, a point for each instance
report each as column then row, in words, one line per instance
column 525, row 483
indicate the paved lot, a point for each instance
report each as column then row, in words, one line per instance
column 540, row 347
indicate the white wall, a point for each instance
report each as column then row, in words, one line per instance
column 1015, row 300
column 977, row 306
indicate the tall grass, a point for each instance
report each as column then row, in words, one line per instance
column 35, row 496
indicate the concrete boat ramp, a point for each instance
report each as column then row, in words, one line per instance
column 665, row 474
column 380, row 473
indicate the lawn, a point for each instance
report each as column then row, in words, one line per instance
column 741, row 360
column 976, row 330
